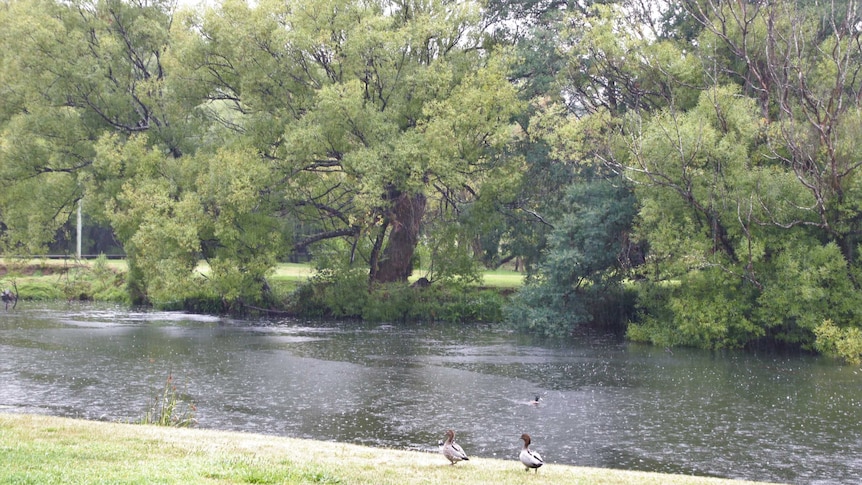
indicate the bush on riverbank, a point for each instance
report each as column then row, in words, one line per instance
column 346, row 295
column 349, row 296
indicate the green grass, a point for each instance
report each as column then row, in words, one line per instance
column 47, row 450
column 503, row 278
column 38, row 269
column 292, row 272
column 500, row 278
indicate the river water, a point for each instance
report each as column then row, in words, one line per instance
column 604, row 402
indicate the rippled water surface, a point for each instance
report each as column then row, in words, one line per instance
column 606, row 403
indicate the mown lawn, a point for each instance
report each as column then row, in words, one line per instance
column 50, row 450
column 500, row 278
column 295, row 272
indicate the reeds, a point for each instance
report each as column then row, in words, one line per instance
column 170, row 408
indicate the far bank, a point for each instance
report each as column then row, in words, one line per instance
column 293, row 289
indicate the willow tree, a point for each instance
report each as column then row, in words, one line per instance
column 369, row 113
column 92, row 115
column 72, row 72
column 749, row 192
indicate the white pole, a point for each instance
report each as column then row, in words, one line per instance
column 78, row 252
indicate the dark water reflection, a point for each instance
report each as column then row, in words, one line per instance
column 605, row 403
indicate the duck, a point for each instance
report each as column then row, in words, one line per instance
column 535, row 402
column 528, row 457
column 452, row 450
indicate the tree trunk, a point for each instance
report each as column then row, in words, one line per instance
column 404, row 219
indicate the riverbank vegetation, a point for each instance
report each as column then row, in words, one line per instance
column 685, row 170
column 43, row 449
column 295, row 289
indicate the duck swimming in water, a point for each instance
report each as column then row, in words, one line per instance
column 528, row 457
column 452, row 450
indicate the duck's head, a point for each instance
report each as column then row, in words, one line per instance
column 450, row 436
column 526, row 439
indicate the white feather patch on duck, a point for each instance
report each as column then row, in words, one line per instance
column 530, row 458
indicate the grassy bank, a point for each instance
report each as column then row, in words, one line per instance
column 45, row 450
column 36, row 268
column 291, row 291
column 34, row 271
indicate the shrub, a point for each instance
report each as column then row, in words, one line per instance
column 842, row 343
column 344, row 293
column 707, row 308
column 77, row 289
column 103, row 273
column 351, row 297
column 582, row 263
column 389, row 303
column 302, row 301
column 536, row 309
column 112, row 294
column 204, row 302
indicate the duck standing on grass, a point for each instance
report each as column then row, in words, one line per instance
column 451, row 450
column 528, row 457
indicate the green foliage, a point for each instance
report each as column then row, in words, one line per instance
column 535, row 309
column 721, row 277
column 173, row 211
column 44, row 281
column 483, row 306
column 450, row 254
column 350, row 296
column 236, row 133
column 703, row 309
column 216, row 134
column 809, row 283
column 101, row 271
column 614, row 61
column 75, row 288
column 411, row 104
column 40, row 291
column 170, row 407
column 78, row 70
column 582, row 264
column 135, row 286
column 455, row 303
column 115, row 294
column 693, row 178
column 199, row 302
column 843, row 343
column 654, row 313
column 302, row 301
column 343, row 292
column 390, row 302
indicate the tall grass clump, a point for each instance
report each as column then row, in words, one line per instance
column 170, row 408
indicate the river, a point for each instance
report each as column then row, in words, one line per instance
column 604, row 402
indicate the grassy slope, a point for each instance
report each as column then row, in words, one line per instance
column 45, row 450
